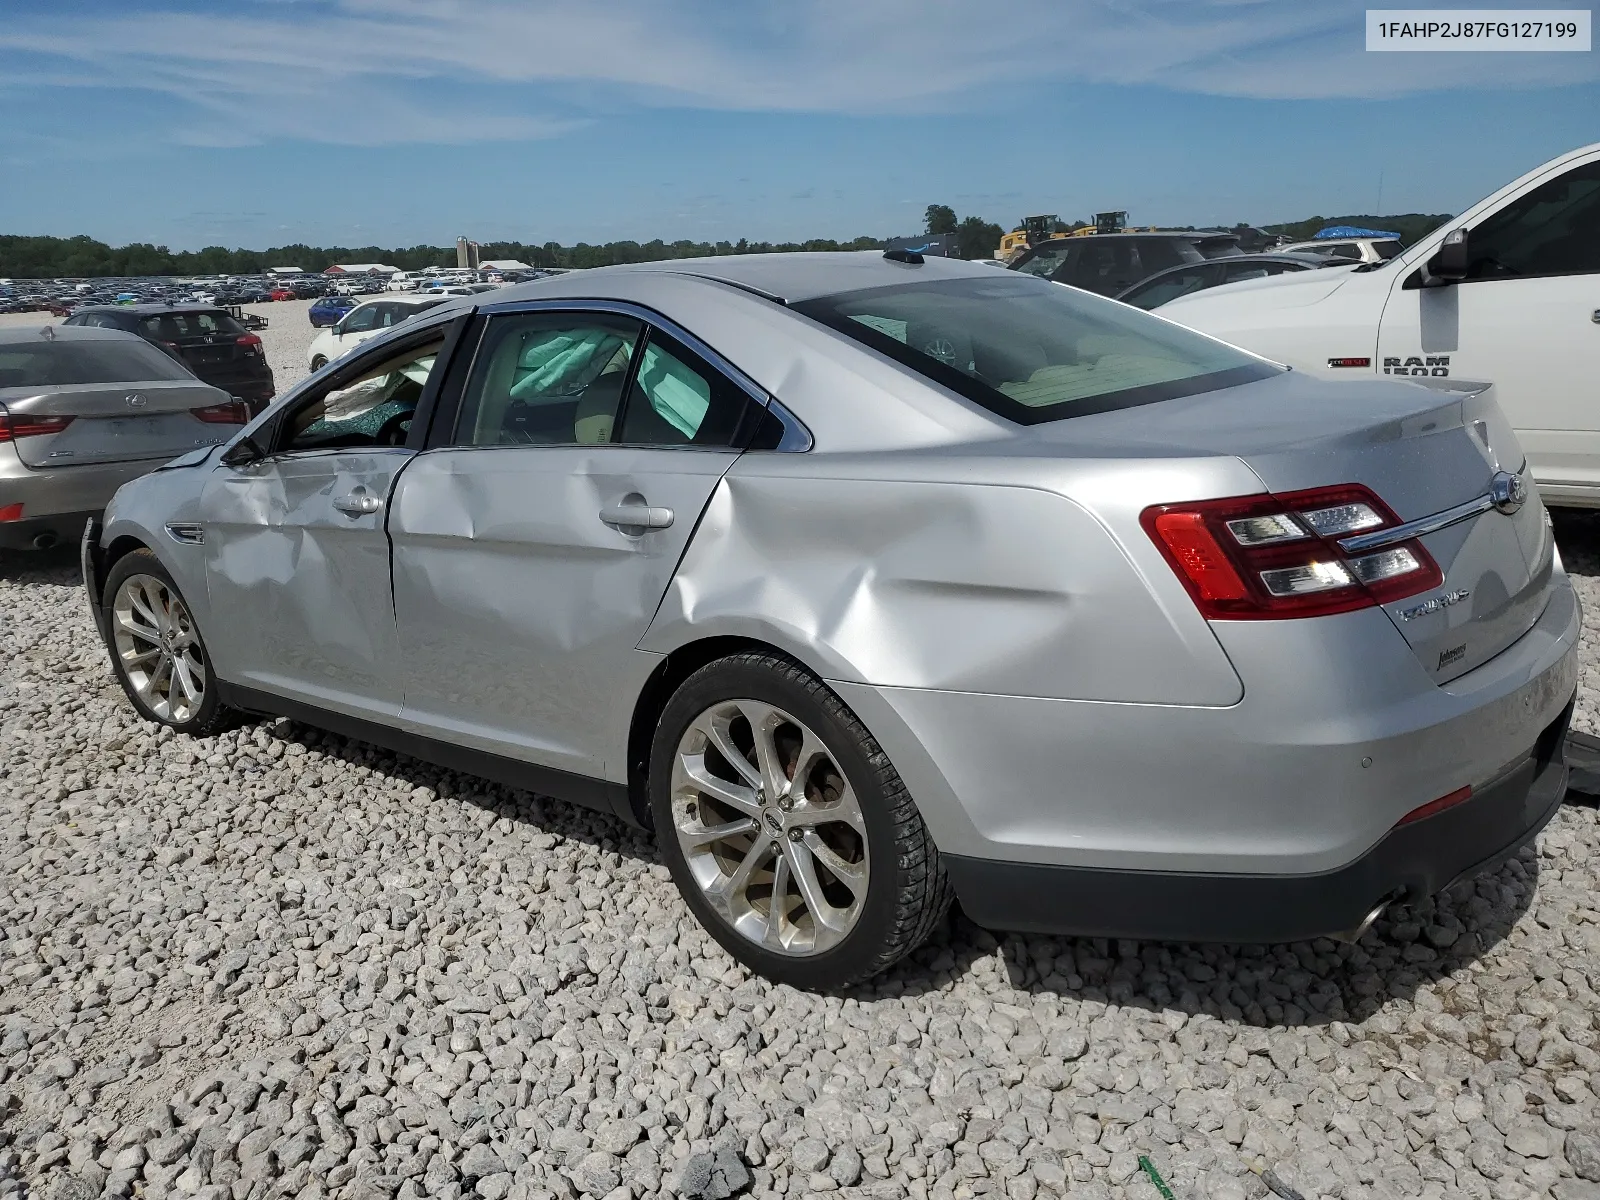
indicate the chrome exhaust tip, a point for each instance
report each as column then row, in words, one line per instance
column 1352, row 936
column 46, row 541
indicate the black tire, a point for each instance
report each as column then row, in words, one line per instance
column 211, row 716
column 318, row 363
column 907, row 891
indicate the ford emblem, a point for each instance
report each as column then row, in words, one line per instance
column 1508, row 492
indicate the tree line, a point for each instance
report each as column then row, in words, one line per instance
column 83, row 257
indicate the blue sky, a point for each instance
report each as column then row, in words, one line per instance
column 392, row 122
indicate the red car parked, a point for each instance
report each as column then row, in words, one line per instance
column 280, row 293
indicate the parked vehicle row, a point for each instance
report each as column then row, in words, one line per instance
column 210, row 341
column 82, row 411
column 362, row 322
column 1508, row 292
column 602, row 536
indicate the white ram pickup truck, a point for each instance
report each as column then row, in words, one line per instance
column 1508, row 292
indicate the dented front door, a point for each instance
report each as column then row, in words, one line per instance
column 298, row 570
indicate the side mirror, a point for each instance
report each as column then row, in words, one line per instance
column 1449, row 262
column 242, row 453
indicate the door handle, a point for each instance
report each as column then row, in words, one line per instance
column 637, row 516
column 358, row 504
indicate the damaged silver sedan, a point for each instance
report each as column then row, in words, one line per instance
column 867, row 581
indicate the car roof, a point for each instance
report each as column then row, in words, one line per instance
column 12, row 335
column 788, row 277
column 151, row 309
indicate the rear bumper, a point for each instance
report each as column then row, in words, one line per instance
column 43, row 533
column 57, row 500
column 1410, row 863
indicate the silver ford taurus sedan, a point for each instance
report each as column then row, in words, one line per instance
column 868, row 581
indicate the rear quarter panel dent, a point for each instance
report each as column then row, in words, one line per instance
column 999, row 589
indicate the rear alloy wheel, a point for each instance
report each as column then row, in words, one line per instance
column 786, row 828
column 157, row 651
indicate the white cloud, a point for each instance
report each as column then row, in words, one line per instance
column 391, row 71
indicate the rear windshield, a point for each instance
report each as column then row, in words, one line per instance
column 186, row 326
column 1032, row 351
column 65, row 363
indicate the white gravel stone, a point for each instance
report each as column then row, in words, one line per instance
column 281, row 961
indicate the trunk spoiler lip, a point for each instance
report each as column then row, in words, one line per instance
column 1423, row 526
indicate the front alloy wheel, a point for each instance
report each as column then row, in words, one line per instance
column 770, row 827
column 156, row 643
column 157, row 651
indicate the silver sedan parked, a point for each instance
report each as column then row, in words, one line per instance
column 866, row 581
column 82, row 411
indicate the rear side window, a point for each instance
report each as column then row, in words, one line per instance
column 677, row 399
column 67, row 363
column 1031, row 352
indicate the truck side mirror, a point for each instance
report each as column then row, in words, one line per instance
column 1449, row 262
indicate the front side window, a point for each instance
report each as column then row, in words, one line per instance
column 362, row 319
column 1032, row 352
column 678, row 400
column 1552, row 230
column 1046, row 261
column 548, row 379
column 372, row 408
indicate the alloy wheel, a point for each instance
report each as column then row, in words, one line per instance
column 159, row 647
column 770, row 827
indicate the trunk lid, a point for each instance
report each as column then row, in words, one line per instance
column 1421, row 448
column 120, row 422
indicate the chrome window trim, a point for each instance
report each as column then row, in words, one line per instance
column 796, row 439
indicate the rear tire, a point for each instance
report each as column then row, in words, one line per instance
column 805, row 806
column 318, row 363
column 156, row 649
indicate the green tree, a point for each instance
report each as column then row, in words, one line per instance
column 977, row 238
column 939, row 219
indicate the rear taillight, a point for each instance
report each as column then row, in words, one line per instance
column 252, row 341
column 234, row 412
column 10, row 512
column 17, row 426
column 1274, row 556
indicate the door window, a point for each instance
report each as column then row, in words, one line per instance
column 372, row 406
column 1105, row 266
column 1552, row 230
column 1170, row 286
column 1047, row 260
column 362, row 319
column 677, row 399
column 548, row 379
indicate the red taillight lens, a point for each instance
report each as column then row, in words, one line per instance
column 10, row 512
column 21, row 425
column 249, row 339
column 1274, row 556
column 234, row 412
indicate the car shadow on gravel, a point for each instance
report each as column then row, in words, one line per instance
column 1300, row 984
column 59, row 565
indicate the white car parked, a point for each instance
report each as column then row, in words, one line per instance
column 1367, row 250
column 362, row 322
column 1508, row 293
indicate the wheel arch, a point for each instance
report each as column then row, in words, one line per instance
column 669, row 675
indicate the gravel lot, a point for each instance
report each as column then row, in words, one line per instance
column 280, row 963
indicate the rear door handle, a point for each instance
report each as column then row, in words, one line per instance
column 358, row 503
column 637, row 516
